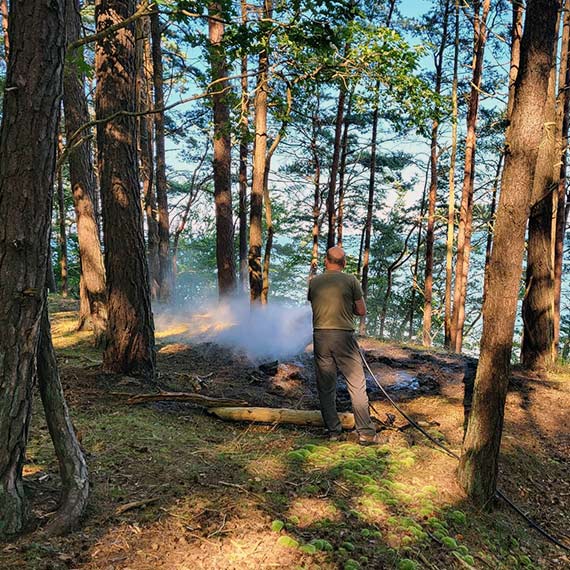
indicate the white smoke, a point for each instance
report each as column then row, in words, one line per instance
column 275, row 331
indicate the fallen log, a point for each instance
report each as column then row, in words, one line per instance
column 200, row 399
column 278, row 416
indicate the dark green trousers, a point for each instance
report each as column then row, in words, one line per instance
column 337, row 350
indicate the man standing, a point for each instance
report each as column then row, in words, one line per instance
column 335, row 298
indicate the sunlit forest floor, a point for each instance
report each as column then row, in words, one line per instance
column 174, row 488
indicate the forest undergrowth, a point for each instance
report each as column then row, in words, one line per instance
column 174, row 488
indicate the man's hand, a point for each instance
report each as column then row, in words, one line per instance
column 359, row 307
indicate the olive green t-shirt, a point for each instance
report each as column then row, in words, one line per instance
column 332, row 295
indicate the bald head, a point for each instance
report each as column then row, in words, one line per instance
column 335, row 257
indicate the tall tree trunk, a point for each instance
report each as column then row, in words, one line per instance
column 369, row 208
column 92, row 292
column 537, row 350
column 466, row 208
column 258, row 177
column 130, row 349
column 222, row 155
column 72, row 465
column 451, row 198
column 145, row 148
column 317, row 188
column 243, row 153
column 563, row 107
column 165, row 279
column 432, row 199
column 62, row 239
column 331, row 209
column 342, row 170
column 4, row 14
column 270, row 233
column 478, row 467
column 28, row 136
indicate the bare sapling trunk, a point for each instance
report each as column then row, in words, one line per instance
column 165, row 275
column 450, row 238
column 258, row 176
column 61, row 217
column 432, row 196
column 222, row 155
column 537, row 351
column 130, row 348
column 28, row 136
column 342, row 170
column 72, row 465
column 145, row 148
column 563, row 120
column 331, row 208
column 466, row 207
column 243, row 154
column 92, row 291
column 316, row 160
column 478, row 467
column 4, row 14
column 369, row 210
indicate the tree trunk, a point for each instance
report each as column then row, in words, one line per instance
column 259, row 161
column 430, row 228
column 165, row 278
column 369, row 209
column 478, row 467
column 342, row 170
column 563, row 107
column 62, row 229
column 331, row 210
column 270, row 232
column 28, row 136
column 72, row 465
column 537, row 350
column 222, row 155
column 243, row 153
column 92, row 292
column 466, row 207
column 4, row 14
column 451, row 198
column 130, row 349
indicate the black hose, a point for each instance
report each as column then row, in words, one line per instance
column 498, row 492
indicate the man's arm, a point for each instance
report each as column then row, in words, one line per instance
column 359, row 307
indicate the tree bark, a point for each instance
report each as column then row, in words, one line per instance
column 451, row 199
column 478, row 467
column 130, row 349
column 165, row 278
column 93, row 295
column 258, row 177
column 72, row 465
column 145, row 147
column 222, row 155
column 563, row 107
column 432, row 196
column 537, row 350
column 466, row 207
column 243, row 154
column 331, row 209
column 28, row 136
